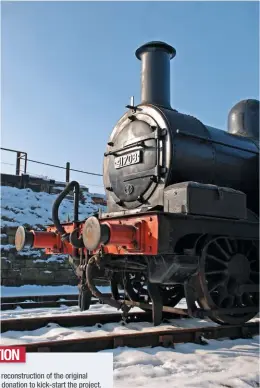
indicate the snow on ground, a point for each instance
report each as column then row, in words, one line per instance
column 231, row 364
column 19, row 312
column 226, row 363
column 218, row 364
column 24, row 206
column 53, row 331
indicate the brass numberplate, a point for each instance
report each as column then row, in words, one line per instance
column 128, row 159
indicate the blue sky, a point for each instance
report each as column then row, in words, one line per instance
column 68, row 70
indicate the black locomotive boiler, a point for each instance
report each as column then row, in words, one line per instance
column 182, row 216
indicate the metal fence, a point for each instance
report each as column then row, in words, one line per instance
column 22, row 163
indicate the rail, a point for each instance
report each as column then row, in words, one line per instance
column 71, row 320
column 41, row 301
column 165, row 338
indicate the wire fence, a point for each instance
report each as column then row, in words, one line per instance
column 21, row 167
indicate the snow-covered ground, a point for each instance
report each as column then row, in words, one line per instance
column 219, row 364
column 230, row 364
column 23, row 206
column 226, row 363
column 54, row 331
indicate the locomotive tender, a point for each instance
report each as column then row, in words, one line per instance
column 182, row 214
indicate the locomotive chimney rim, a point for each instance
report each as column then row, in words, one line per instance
column 155, row 46
column 155, row 75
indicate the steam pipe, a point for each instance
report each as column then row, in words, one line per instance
column 59, row 199
column 155, row 74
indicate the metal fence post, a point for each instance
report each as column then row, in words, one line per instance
column 67, row 172
column 25, row 162
column 18, row 163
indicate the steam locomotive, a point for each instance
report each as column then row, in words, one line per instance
column 182, row 216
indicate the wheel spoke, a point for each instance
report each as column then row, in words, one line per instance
column 215, row 286
column 217, row 272
column 224, row 253
column 212, row 257
column 224, row 268
column 242, row 246
column 235, row 245
column 228, row 245
column 220, row 299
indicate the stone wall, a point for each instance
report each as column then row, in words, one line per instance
column 49, row 186
column 32, row 267
column 34, row 183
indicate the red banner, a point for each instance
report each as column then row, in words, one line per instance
column 12, row 354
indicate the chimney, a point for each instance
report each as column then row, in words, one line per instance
column 155, row 76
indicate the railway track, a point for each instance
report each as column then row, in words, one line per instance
column 37, row 298
column 34, row 305
column 38, row 301
column 165, row 338
column 151, row 337
column 71, row 320
column 41, row 301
